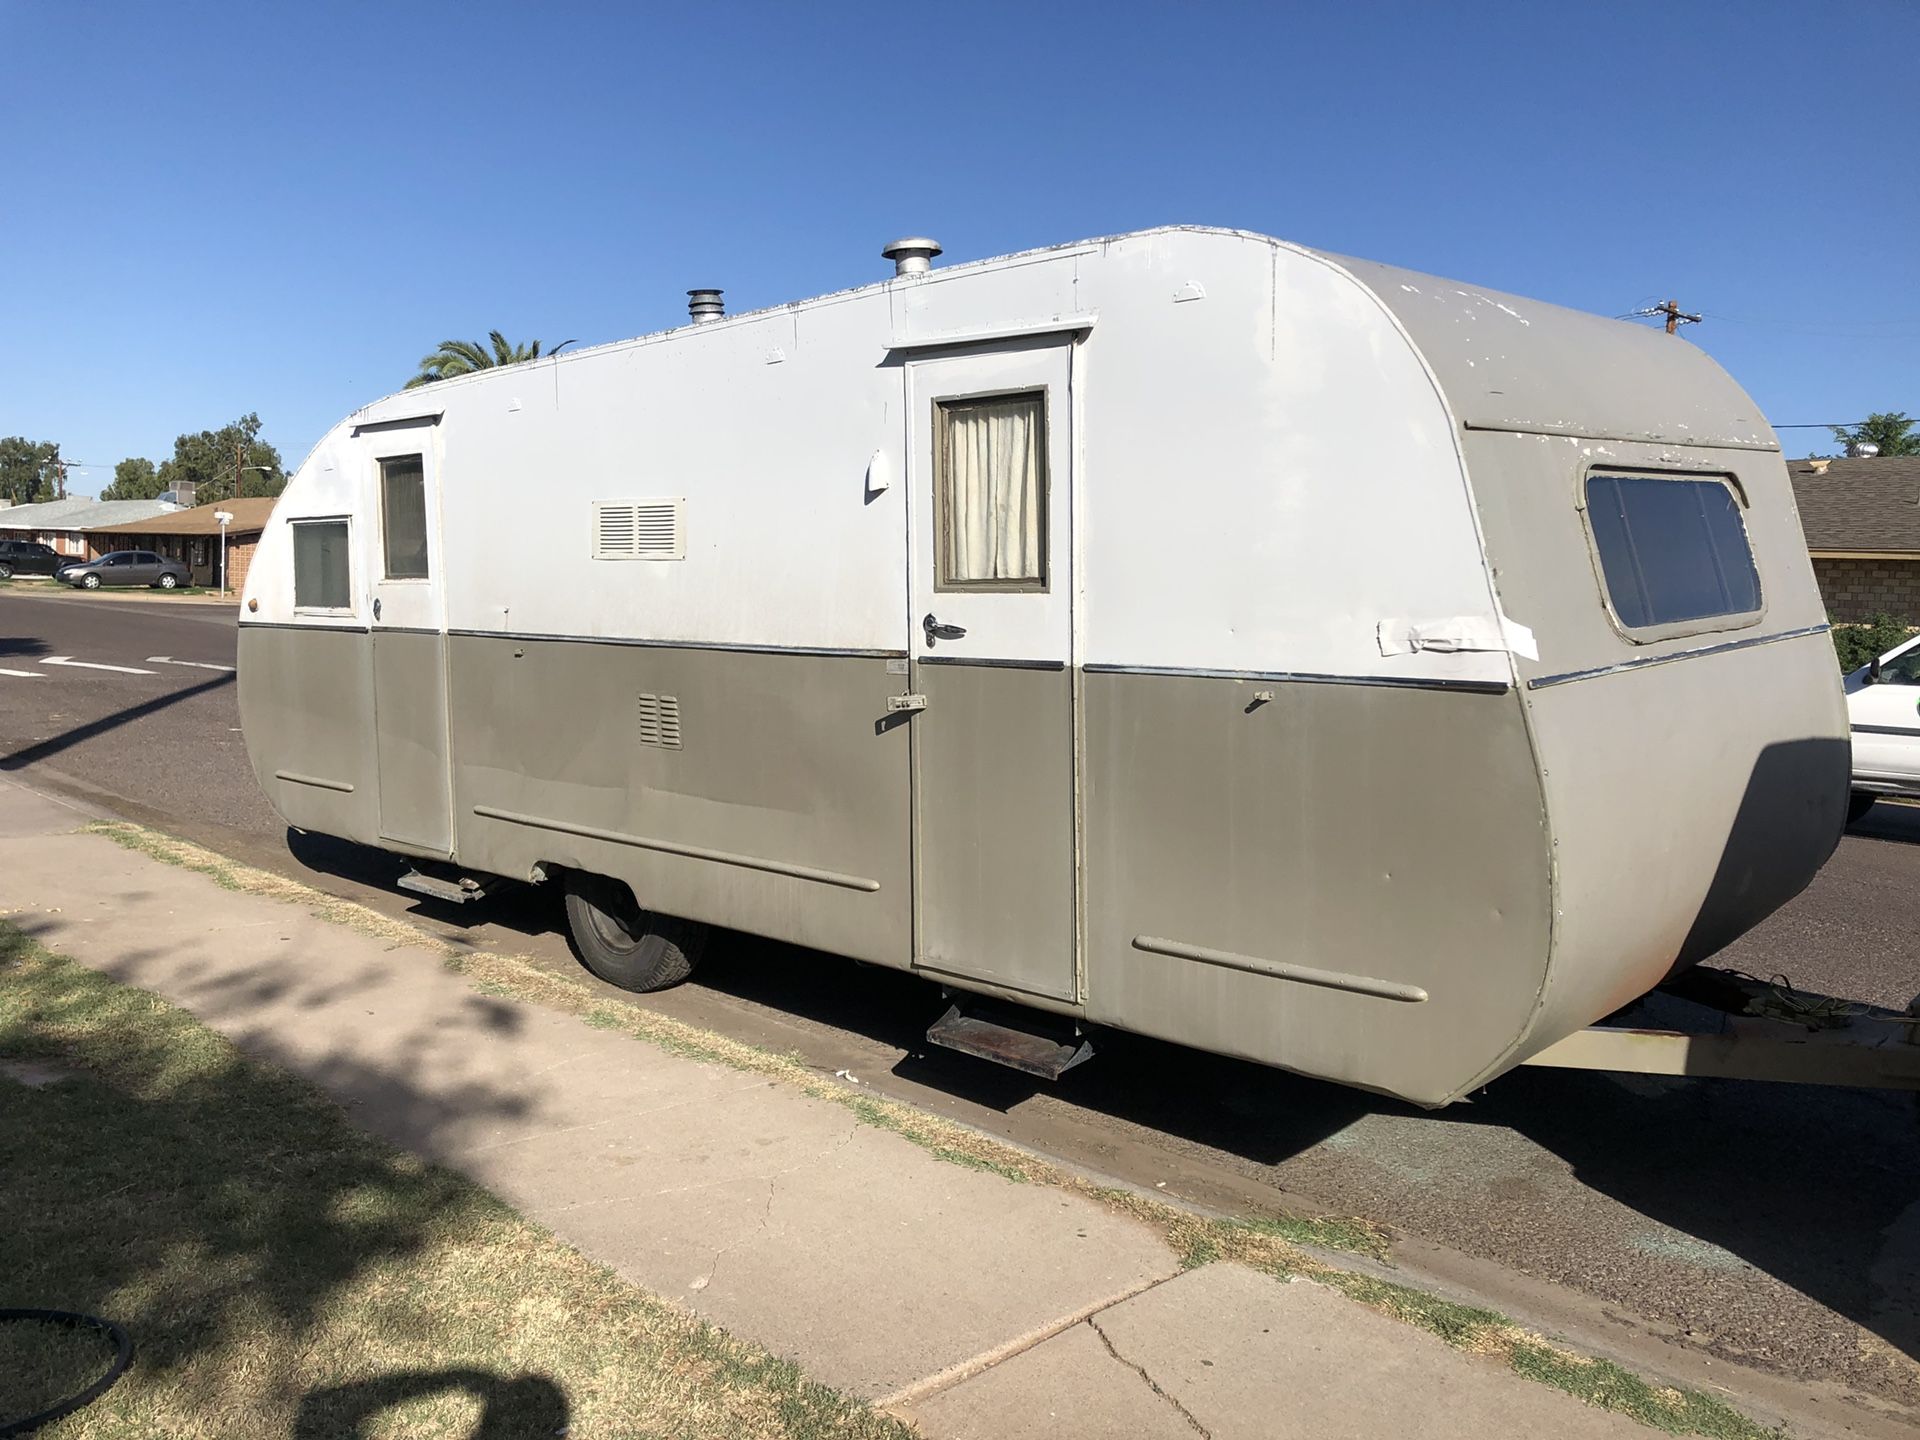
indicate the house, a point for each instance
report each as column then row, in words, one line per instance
column 67, row 525
column 1862, row 519
column 193, row 537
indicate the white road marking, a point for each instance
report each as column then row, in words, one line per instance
column 24, row 674
column 196, row 664
column 89, row 665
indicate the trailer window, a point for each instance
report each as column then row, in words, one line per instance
column 991, row 478
column 320, row 565
column 1673, row 549
column 403, row 506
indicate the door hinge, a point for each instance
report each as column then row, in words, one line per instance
column 904, row 704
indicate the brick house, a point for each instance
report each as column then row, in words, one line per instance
column 193, row 538
column 1862, row 519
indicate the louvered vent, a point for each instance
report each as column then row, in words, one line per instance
column 660, row 721
column 639, row 530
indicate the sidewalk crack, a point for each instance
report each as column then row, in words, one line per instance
column 1152, row 1384
column 766, row 1214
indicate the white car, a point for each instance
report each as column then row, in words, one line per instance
column 1883, row 709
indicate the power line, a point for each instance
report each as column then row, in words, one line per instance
column 1675, row 316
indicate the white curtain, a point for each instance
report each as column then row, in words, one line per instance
column 995, row 475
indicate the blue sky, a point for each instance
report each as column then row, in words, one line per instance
column 221, row 207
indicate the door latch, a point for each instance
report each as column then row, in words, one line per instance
column 935, row 631
column 905, row 704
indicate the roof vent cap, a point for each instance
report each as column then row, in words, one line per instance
column 706, row 306
column 1862, row 449
column 912, row 255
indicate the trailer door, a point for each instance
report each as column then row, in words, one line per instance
column 991, row 593
column 409, row 640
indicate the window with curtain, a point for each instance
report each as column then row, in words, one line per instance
column 320, row 565
column 403, row 486
column 991, row 475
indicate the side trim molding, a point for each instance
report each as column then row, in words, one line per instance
column 987, row 664
column 1541, row 682
column 1883, row 730
column 316, row 781
column 691, row 852
column 1279, row 970
column 1291, row 677
column 827, row 651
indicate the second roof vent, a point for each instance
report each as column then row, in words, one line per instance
column 912, row 255
column 706, row 306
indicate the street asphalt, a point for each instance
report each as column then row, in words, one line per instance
column 1771, row 1224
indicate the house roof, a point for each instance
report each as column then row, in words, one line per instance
column 1867, row 506
column 249, row 514
column 81, row 512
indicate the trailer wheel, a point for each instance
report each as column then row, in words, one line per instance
column 1858, row 803
column 624, row 943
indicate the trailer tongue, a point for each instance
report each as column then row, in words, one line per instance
column 1711, row 1022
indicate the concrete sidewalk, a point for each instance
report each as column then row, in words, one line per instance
column 973, row 1305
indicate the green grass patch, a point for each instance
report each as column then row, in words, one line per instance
column 283, row 1273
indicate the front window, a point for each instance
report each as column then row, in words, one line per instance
column 320, row 576
column 1673, row 550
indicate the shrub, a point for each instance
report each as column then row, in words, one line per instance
column 1855, row 645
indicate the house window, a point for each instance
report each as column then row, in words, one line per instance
column 403, row 490
column 990, row 477
column 320, row 572
column 1673, row 549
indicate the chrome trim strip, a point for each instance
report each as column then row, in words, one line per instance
column 691, row 852
column 379, row 629
column 1541, row 682
column 832, row 652
column 1280, row 970
column 991, row 664
column 1288, row 677
column 289, row 625
column 314, row 780
column 1884, row 730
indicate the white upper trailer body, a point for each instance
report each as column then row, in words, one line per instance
column 1185, row 632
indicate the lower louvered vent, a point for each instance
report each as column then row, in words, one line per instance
column 660, row 721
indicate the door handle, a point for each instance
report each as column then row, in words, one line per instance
column 935, row 631
column 376, row 607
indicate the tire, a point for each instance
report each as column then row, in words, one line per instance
column 6, row 571
column 625, row 944
column 1858, row 803
column 166, row 582
column 89, row 582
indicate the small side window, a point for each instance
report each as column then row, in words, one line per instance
column 320, row 576
column 1673, row 550
column 990, row 474
column 403, row 504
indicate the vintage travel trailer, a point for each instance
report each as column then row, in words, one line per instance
column 1185, row 632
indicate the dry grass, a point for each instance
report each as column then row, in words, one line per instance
column 1282, row 1246
column 283, row 1273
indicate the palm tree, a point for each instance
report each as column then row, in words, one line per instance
column 463, row 357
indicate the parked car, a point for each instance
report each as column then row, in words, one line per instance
column 1883, row 709
column 126, row 567
column 27, row 557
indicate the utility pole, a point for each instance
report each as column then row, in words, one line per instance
column 240, row 458
column 1675, row 316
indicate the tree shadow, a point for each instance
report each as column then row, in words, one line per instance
column 14, row 645
column 228, row 1215
column 511, row 1408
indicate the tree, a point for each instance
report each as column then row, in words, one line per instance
column 208, row 461
column 1891, row 430
column 29, row 470
column 133, row 479
column 463, row 357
